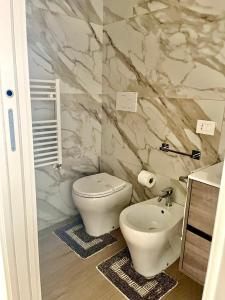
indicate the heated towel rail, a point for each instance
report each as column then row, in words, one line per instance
column 47, row 133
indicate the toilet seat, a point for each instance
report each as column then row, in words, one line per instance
column 98, row 185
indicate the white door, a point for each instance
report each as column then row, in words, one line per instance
column 18, row 228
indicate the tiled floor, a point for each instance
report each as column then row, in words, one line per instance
column 64, row 276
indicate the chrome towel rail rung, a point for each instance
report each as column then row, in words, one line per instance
column 45, row 143
column 54, row 162
column 38, row 93
column 42, row 81
column 48, row 154
column 45, row 138
column 43, row 99
column 45, row 159
column 50, row 133
column 44, row 122
column 44, row 127
column 45, row 149
column 42, row 87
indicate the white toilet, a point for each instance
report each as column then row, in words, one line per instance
column 99, row 199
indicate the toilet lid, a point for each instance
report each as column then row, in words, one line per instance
column 98, row 185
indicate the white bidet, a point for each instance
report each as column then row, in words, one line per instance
column 153, row 235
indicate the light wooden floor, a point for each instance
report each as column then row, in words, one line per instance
column 64, row 276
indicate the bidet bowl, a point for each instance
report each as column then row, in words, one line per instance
column 153, row 234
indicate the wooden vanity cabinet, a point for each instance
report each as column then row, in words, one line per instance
column 198, row 229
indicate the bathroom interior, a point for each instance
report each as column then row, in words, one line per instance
column 128, row 101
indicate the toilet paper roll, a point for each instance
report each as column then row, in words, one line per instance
column 147, row 179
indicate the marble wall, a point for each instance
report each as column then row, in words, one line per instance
column 65, row 42
column 173, row 54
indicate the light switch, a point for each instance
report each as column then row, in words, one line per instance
column 206, row 127
column 126, row 101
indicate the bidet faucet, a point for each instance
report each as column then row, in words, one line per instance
column 166, row 193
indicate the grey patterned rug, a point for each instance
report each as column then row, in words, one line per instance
column 80, row 242
column 119, row 271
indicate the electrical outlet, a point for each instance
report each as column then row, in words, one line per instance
column 126, row 101
column 206, row 127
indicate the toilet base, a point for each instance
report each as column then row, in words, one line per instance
column 100, row 215
column 100, row 224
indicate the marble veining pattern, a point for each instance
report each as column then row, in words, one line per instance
column 65, row 42
column 175, row 51
column 131, row 141
column 115, row 11
column 171, row 52
column 81, row 140
column 88, row 10
column 65, row 47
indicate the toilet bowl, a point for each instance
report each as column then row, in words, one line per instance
column 99, row 199
column 153, row 235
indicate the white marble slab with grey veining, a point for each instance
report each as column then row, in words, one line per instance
column 172, row 53
column 81, row 150
column 67, row 48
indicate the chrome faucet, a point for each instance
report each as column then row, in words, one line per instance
column 167, row 194
column 183, row 179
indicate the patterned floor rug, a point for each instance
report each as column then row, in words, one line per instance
column 119, row 271
column 80, row 242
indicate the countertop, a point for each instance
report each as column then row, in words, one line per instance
column 209, row 175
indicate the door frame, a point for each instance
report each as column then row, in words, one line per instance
column 18, row 213
column 19, row 261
